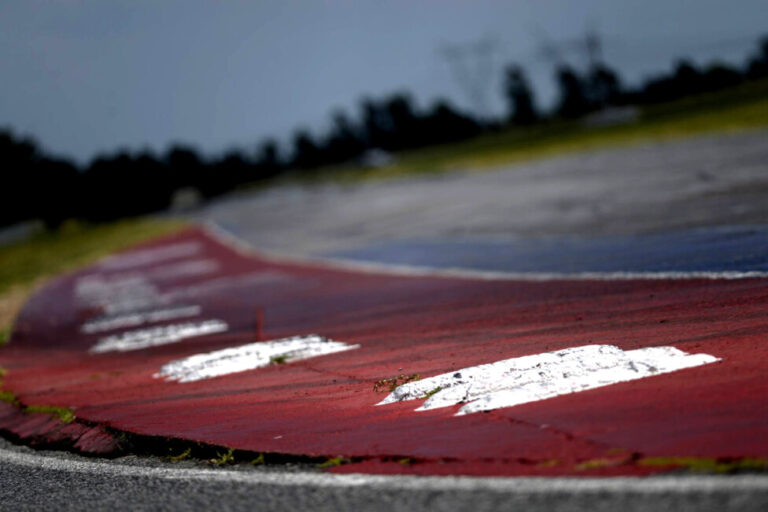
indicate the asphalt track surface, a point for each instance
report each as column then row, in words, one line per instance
column 728, row 256
column 55, row 481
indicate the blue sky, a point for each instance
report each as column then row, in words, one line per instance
column 88, row 76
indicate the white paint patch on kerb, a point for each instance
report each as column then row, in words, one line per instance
column 118, row 295
column 109, row 323
column 154, row 336
column 228, row 284
column 184, row 269
column 249, row 357
column 537, row 377
column 149, row 256
column 98, row 290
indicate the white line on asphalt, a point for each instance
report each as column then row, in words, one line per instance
column 521, row 380
column 231, row 240
column 141, row 257
column 249, row 357
column 536, row 485
column 154, row 336
column 112, row 322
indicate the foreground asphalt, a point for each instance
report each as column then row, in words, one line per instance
column 33, row 480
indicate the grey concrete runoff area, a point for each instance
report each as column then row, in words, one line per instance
column 55, row 481
column 661, row 187
column 701, row 182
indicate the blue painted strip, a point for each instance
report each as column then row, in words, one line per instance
column 739, row 248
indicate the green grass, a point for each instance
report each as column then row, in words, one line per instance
column 65, row 415
column 75, row 244
column 26, row 264
column 333, row 462
column 223, row 459
column 182, row 456
column 741, row 108
column 8, row 396
column 707, row 465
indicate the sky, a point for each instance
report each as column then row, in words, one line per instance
column 89, row 76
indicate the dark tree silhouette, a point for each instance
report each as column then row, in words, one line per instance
column 719, row 76
column 54, row 198
column 686, row 80
column 758, row 64
column 187, row 169
column 519, row 96
column 231, row 170
column 376, row 124
column 268, row 163
column 403, row 122
column 444, row 124
column 573, row 101
column 20, row 157
column 306, row 153
column 344, row 142
column 603, row 87
column 37, row 186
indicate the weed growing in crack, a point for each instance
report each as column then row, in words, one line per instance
column 183, row 455
column 392, row 383
column 223, row 459
column 708, row 465
column 333, row 462
column 65, row 415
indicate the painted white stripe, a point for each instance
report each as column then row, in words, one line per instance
column 527, row 379
column 110, row 323
column 151, row 337
column 228, row 283
column 119, row 295
column 183, row 269
column 249, row 357
column 243, row 247
column 668, row 484
column 98, row 290
column 143, row 257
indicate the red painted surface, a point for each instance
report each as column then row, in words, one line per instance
column 325, row 406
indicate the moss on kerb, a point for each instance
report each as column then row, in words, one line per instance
column 708, row 465
column 333, row 462
column 223, row 459
column 8, row 396
column 182, row 456
column 5, row 336
column 65, row 415
column 599, row 463
column 390, row 384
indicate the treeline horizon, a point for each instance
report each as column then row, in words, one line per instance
column 129, row 183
